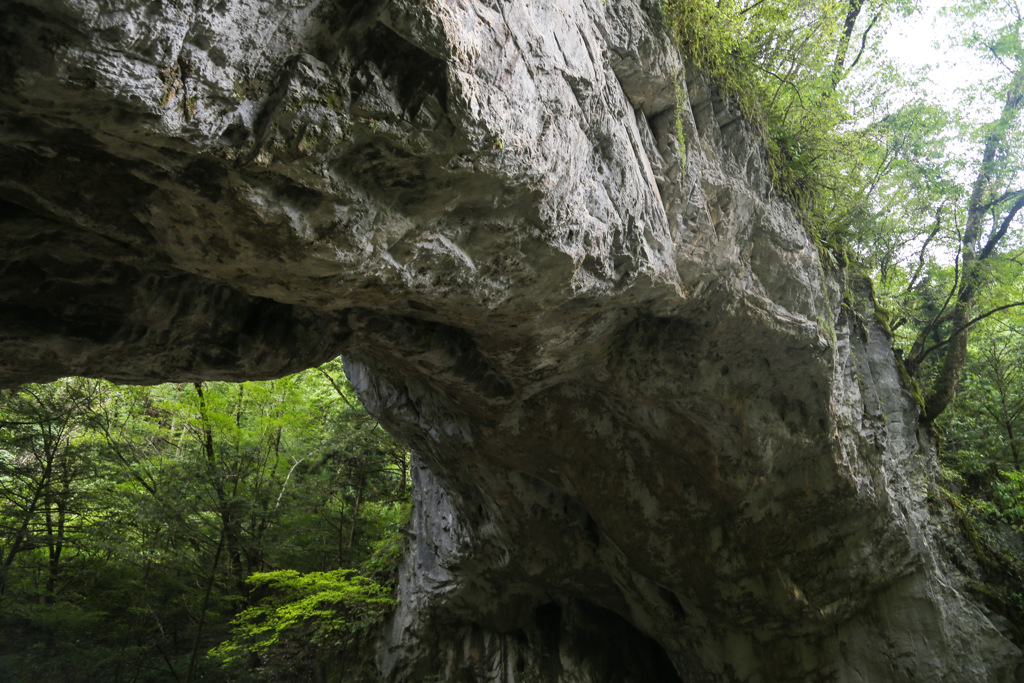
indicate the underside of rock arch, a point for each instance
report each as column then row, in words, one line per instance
column 652, row 441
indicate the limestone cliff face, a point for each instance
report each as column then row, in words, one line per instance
column 653, row 443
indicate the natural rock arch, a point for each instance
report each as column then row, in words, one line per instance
column 646, row 422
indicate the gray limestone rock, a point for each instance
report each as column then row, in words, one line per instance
column 653, row 443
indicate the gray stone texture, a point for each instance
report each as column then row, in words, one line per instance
column 653, row 444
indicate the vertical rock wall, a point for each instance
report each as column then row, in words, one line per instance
column 654, row 444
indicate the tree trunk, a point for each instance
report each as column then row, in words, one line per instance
column 211, row 577
column 55, row 546
column 1014, row 447
column 230, row 526
column 355, row 510
column 943, row 388
column 21, row 535
column 852, row 12
column 974, row 258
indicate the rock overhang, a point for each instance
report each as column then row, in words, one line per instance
column 630, row 382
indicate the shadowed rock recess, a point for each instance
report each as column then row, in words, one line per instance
column 653, row 444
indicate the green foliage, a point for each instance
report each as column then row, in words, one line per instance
column 1008, row 499
column 294, row 614
column 382, row 564
column 987, row 417
column 934, row 192
column 1002, row 573
column 981, row 463
column 336, row 608
column 783, row 62
column 132, row 517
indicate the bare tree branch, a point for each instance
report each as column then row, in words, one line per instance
column 750, row 7
column 337, row 388
column 917, row 353
column 974, row 321
column 1010, row 215
column 1002, row 198
column 863, row 43
column 924, row 247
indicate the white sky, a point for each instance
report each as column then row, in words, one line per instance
column 916, row 43
column 926, row 39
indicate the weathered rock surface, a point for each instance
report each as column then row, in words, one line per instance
column 654, row 444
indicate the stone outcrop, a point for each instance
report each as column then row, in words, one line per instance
column 654, row 443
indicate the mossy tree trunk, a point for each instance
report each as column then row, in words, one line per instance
column 987, row 198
